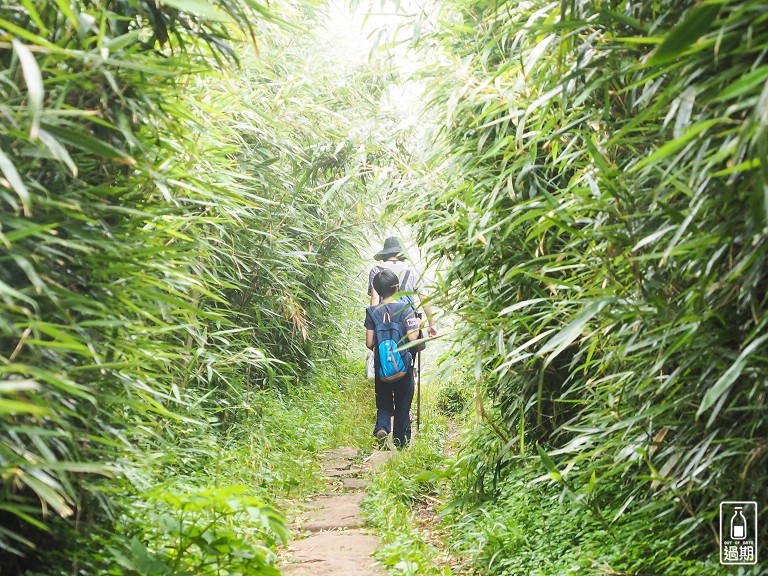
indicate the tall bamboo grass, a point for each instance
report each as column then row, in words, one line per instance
column 601, row 218
column 173, row 242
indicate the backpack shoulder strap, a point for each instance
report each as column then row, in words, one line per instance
column 374, row 270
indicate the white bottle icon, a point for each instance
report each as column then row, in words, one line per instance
column 738, row 525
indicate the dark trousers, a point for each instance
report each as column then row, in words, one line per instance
column 394, row 399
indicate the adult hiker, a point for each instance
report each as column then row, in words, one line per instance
column 389, row 325
column 391, row 258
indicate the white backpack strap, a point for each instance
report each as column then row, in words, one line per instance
column 375, row 270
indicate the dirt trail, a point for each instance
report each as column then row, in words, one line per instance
column 337, row 544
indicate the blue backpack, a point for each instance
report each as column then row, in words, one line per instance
column 393, row 363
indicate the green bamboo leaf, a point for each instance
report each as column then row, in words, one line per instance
column 48, row 377
column 596, row 155
column 6, row 534
column 21, row 512
column 31, row 37
column 18, row 407
column 746, row 166
column 623, row 508
column 14, row 180
column 520, row 305
column 49, row 494
column 696, row 24
column 34, row 15
column 554, row 473
column 744, row 85
column 641, row 40
column 17, row 386
column 199, row 8
column 118, row 43
column 729, row 376
column 677, row 144
column 77, row 467
column 34, row 81
column 65, row 6
column 269, row 15
column 58, row 151
column 651, row 238
column 69, row 346
column 567, row 335
column 89, row 144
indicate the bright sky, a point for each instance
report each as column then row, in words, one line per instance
column 350, row 37
column 352, row 33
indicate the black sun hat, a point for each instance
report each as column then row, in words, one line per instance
column 391, row 248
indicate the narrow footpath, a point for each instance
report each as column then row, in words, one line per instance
column 336, row 542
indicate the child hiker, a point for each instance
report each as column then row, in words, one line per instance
column 391, row 325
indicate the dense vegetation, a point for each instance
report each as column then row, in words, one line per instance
column 177, row 221
column 184, row 187
column 601, row 223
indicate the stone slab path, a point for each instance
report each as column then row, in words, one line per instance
column 336, row 542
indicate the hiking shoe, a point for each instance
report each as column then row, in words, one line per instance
column 381, row 434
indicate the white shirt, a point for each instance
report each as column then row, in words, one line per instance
column 407, row 275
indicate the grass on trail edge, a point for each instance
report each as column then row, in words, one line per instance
column 336, row 409
column 401, row 486
column 524, row 524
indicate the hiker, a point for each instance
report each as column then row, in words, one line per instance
column 410, row 280
column 389, row 325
